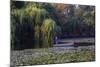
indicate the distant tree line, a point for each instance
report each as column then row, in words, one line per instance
column 76, row 20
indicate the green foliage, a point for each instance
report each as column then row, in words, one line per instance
column 58, row 31
column 48, row 29
column 88, row 18
column 36, row 36
column 34, row 16
column 82, row 22
column 39, row 15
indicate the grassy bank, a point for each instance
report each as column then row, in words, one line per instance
column 54, row 55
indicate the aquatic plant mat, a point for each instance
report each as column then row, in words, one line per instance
column 52, row 55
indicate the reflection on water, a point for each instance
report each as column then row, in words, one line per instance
column 74, row 43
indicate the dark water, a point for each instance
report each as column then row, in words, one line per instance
column 75, row 42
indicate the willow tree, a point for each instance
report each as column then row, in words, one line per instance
column 48, row 30
column 39, row 15
column 31, row 16
column 22, row 28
